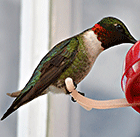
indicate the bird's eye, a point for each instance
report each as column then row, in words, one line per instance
column 119, row 28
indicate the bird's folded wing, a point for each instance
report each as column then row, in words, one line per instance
column 48, row 70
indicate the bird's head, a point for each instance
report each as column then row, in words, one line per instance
column 111, row 31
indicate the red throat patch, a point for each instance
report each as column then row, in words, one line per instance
column 102, row 34
column 96, row 28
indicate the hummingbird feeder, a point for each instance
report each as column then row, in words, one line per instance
column 130, row 81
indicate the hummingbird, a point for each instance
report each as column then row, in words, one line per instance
column 73, row 57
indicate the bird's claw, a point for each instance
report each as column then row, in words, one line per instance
column 83, row 94
column 75, row 85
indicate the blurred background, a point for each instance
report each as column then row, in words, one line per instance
column 103, row 82
column 9, row 53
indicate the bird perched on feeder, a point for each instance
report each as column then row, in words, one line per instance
column 73, row 58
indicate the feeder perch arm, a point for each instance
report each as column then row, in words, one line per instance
column 88, row 104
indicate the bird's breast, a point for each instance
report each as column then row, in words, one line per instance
column 92, row 44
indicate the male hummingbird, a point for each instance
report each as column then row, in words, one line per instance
column 73, row 58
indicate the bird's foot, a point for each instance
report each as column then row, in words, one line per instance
column 75, row 85
column 67, row 92
column 83, row 94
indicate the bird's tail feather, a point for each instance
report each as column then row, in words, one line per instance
column 8, row 112
column 21, row 100
column 15, row 105
column 14, row 94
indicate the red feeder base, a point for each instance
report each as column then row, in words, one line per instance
column 131, row 78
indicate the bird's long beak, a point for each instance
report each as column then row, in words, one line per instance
column 132, row 40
